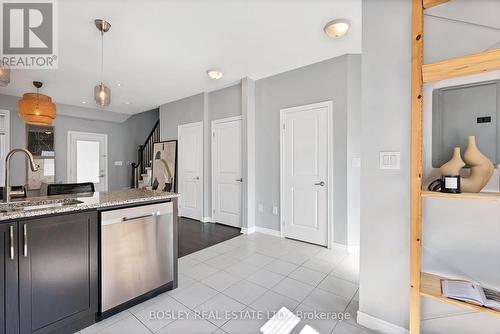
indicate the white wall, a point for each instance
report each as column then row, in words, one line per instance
column 460, row 238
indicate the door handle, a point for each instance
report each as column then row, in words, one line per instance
column 11, row 242
column 196, row 178
column 240, row 179
column 25, row 240
column 102, row 175
column 322, row 184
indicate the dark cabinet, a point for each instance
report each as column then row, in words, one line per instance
column 58, row 279
column 9, row 320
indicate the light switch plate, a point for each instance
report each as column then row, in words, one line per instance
column 356, row 162
column 275, row 210
column 118, row 163
column 390, row 160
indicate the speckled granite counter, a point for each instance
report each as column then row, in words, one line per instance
column 98, row 200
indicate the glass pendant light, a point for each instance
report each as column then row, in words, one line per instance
column 4, row 74
column 102, row 93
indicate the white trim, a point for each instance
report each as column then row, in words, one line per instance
column 353, row 249
column 329, row 106
column 202, row 176
column 339, row 247
column 268, row 231
column 6, row 113
column 213, row 189
column 207, row 220
column 377, row 324
column 70, row 161
column 250, row 230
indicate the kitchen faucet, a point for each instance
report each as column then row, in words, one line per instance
column 34, row 168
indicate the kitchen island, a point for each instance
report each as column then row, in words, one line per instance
column 70, row 260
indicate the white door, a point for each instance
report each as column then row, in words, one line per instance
column 226, row 171
column 88, row 162
column 191, row 170
column 305, row 172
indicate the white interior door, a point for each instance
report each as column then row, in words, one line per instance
column 88, row 162
column 191, row 170
column 226, row 171
column 305, row 173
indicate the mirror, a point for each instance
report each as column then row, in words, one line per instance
column 466, row 110
column 40, row 142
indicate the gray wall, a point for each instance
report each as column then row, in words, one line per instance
column 460, row 238
column 173, row 114
column 122, row 141
column 327, row 80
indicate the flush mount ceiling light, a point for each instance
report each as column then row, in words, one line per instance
column 337, row 28
column 214, row 74
column 36, row 108
column 102, row 93
column 4, row 74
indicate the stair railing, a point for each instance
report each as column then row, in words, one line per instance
column 145, row 154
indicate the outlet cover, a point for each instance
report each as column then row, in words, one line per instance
column 390, row 160
column 275, row 210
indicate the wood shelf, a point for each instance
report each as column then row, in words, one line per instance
column 462, row 66
column 432, row 3
column 484, row 196
column 430, row 286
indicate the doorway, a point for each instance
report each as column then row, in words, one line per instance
column 307, row 173
column 226, row 171
column 88, row 159
column 191, row 170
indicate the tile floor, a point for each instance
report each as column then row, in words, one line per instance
column 246, row 276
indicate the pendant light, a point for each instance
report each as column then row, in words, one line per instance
column 4, row 74
column 102, row 93
column 36, row 108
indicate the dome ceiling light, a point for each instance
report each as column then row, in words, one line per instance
column 337, row 28
column 36, row 108
column 102, row 93
column 214, row 74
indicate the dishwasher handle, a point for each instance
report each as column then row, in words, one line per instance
column 127, row 219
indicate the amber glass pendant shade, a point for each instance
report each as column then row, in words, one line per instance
column 36, row 108
column 102, row 95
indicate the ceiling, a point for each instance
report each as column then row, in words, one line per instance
column 159, row 51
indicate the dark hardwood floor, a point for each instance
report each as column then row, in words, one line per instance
column 194, row 235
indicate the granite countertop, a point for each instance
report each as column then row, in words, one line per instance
column 84, row 201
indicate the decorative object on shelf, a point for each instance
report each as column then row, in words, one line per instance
column 36, row 108
column 455, row 165
column 102, row 93
column 165, row 166
column 4, row 74
column 450, row 175
column 481, row 168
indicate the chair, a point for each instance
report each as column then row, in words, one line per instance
column 70, row 188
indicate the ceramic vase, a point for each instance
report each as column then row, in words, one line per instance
column 481, row 168
column 453, row 167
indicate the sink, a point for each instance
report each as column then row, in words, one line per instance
column 37, row 205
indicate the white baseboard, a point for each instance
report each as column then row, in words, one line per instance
column 206, row 220
column 339, row 247
column 268, row 231
column 351, row 249
column 249, row 230
column 377, row 324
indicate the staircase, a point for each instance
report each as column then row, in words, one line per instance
column 142, row 170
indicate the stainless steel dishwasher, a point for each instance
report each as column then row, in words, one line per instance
column 137, row 252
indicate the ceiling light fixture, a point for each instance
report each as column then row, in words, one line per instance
column 4, row 74
column 214, row 74
column 36, row 108
column 337, row 28
column 102, row 93
column 126, row 103
column 84, row 102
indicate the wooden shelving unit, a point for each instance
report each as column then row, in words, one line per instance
column 424, row 284
column 431, row 287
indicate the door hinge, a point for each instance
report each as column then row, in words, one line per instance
column 213, row 211
column 213, row 134
column 283, row 126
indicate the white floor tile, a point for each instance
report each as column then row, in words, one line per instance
column 160, row 314
column 245, row 292
column 293, row 289
column 218, row 309
column 242, row 269
column 106, row 323
column 344, row 328
column 322, row 300
column 189, row 326
column 194, row 295
column 184, row 281
column 244, row 326
column 308, row 276
column 281, row 267
column 319, row 265
column 339, row 287
column 272, row 302
column 200, row 271
column 259, row 260
column 222, row 261
column 222, row 248
column 265, row 278
column 307, row 315
column 295, row 257
column 129, row 325
column 203, row 255
column 221, row 280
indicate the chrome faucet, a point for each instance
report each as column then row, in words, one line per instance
column 34, row 167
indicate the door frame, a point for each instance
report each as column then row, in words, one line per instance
column 6, row 114
column 70, row 165
column 180, row 171
column 330, row 165
column 212, row 163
